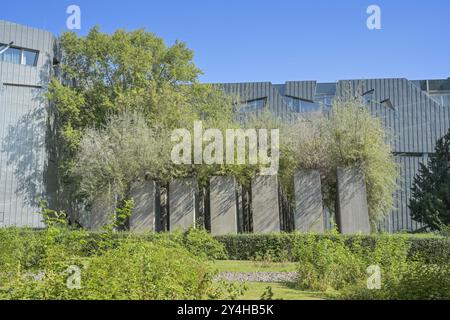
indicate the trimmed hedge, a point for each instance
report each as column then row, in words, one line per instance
column 279, row 246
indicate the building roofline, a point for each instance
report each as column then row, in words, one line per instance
column 15, row 24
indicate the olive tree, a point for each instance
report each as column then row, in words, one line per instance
column 348, row 135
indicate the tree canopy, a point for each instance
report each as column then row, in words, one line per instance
column 349, row 135
column 118, row 97
column 105, row 75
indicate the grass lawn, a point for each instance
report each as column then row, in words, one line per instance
column 253, row 266
column 284, row 291
column 280, row 292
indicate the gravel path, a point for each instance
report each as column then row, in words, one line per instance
column 258, row 276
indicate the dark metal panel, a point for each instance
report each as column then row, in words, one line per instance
column 402, row 114
column 446, row 119
column 301, row 89
column 410, row 173
column 399, row 197
column 396, row 101
column 409, row 109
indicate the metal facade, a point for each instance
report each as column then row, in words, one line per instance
column 23, row 126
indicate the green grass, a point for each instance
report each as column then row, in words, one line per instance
column 253, row 266
column 280, row 292
column 416, row 235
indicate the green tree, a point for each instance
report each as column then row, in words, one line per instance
column 105, row 75
column 350, row 135
column 430, row 201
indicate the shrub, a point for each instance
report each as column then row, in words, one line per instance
column 266, row 259
column 134, row 270
column 18, row 246
column 197, row 241
column 254, row 246
column 445, row 231
column 415, row 281
column 200, row 243
column 35, row 265
column 113, row 265
column 421, row 281
column 326, row 264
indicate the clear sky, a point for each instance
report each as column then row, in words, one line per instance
column 277, row 41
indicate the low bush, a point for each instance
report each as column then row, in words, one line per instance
column 200, row 243
column 19, row 245
column 39, row 265
column 254, row 246
column 416, row 281
column 135, row 270
column 347, row 270
column 120, row 265
column 410, row 266
column 326, row 264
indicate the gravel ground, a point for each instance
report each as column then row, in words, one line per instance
column 258, row 276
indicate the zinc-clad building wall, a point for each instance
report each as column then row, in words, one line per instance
column 23, row 126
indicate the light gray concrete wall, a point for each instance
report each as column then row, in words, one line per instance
column 353, row 212
column 146, row 211
column 182, row 204
column 223, row 205
column 309, row 213
column 23, row 127
column 265, row 204
column 104, row 212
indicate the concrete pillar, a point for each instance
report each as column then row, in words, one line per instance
column 182, row 204
column 265, row 205
column 240, row 208
column 223, row 206
column 102, row 213
column 145, row 213
column 352, row 210
column 308, row 216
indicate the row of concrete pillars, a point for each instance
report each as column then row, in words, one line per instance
column 227, row 209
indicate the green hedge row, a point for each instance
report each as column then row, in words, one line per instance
column 278, row 247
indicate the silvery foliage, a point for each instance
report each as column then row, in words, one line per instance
column 126, row 149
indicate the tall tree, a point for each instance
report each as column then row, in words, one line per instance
column 430, row 201
column 103, row 75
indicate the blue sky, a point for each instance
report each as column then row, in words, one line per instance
column 277, row 41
